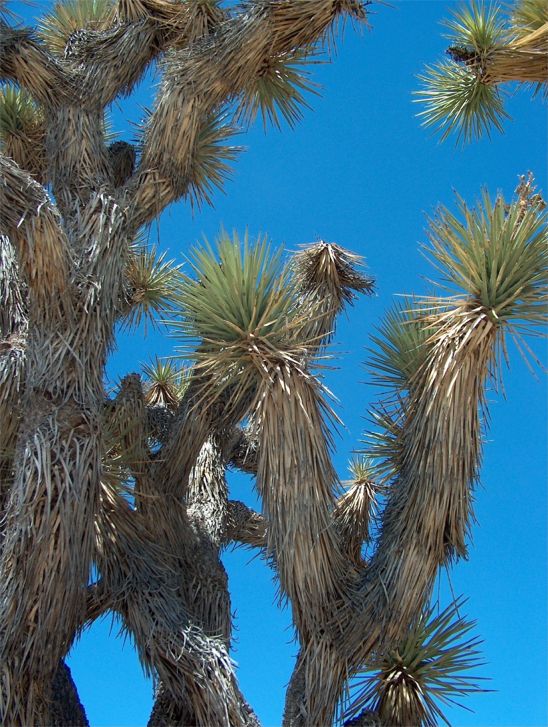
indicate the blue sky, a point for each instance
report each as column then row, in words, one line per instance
column 359, row 170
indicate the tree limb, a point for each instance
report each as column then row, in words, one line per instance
column 148, row 571
column 199, row 81
column 245, row 526
column 242, row 451
column 66, row 710
column 24, row 59
column 34, row 226
column 141, row 32
column 127, row 427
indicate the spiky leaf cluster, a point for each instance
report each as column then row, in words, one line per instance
column 153, row 285
column 497, row 254
column 22, row 129
column 463, row 94
column 477, row 28
column 277, row 90
column 240, row 310
column 69, row 16
column 166, row 383
column 401, row 346
column 409, row 684
column 328, row 270
column 528, row 15
column 19, row 115
column 358, row 506
column 455, row 94
column 494, row 257
column 327, row 277
column 456, row 100
column 211, row 159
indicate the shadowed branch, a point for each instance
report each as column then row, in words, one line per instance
column 245, row 526
column 26, row 61
column 198, row 82
column 34, row 226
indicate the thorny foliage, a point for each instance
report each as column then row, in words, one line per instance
column 134, row 484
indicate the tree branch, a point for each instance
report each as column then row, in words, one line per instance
column 245, row 526
column 146, row 570
column 199, row 81
column 66, row 710
column 24, row 59
column 352, row 516
column 127, row 426
column 436, row 459
column 141, row 32
column 34, row 226
column 242, row 451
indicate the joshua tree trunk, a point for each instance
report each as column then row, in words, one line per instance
column 70, row 272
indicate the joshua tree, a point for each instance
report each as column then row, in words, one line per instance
column 132, row 488
column 488, row 50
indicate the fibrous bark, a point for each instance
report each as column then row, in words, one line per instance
column 67, row 451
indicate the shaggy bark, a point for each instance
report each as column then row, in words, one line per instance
column 66, row 450
column 66, row 708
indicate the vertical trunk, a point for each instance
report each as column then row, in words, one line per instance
column 49, row 538
column 13, row 331
column 66, row 710
column 49, row 541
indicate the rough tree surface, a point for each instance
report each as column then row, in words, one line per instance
column 132, row 488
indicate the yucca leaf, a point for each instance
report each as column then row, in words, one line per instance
column 357, row 507
column 153, row 284
column 401, row 346
column 18, row 112
column 240, row 293
column 463, row 95
column 241, row 312
column 277, row 90
column 456, row 99
column 69, row 16
column 22, row 130
column 409, row 683
column 166, row 383
column 497, row 254
column 326, row 277
column 362, row 469
column 210, row 160
column 528, row 15
column 477, row 27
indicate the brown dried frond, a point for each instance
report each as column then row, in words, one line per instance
column 429, row 506
column 27, row 62
column 524, row 60
column 296, row 480
column 244, row 526
column 22, row 131
column 354, row 510
column 327, row 278
column 34, row 225
column 326, row 269
column 47, row 551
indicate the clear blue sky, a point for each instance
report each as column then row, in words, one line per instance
column 359, row 170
